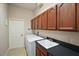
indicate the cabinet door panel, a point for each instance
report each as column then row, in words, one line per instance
column 78, row 17
column 52, row 18
column 44, row 20
column 39, row 22
column 66, row 16
column 43, row 54
column 35, row 21
column 38, row 52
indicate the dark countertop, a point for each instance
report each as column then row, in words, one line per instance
column 62, row 51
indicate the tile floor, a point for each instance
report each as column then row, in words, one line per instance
column 17, row 52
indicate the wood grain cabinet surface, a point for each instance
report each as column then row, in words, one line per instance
column 78, row 17
column 39, row 21
column 40, row 51
column 52, row 18
column 66, row 16
column 44, row 20
column 63, row 16
column 35, row 21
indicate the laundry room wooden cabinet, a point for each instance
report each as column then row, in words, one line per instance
column 40, row 51
column 44, row 20
column 78, row 17
column 63, row 16
column 52, row 18
column 66, row 16
column 39, row 22
column 35, row 21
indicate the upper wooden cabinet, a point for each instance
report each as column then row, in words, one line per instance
column 66, row 16
column 52, row 18
column 35, row 21
column 44, row 20
column 39, row 21
column 78, row 17
column 32, row 24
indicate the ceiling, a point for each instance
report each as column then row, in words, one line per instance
column 30, row 6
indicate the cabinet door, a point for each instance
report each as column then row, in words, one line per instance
column 38, row 52
column 39, row 22
column 66, row 16
column 44, row 20
column 42, row 54
column 52, row 18
column 78, row 17
column 35, row 21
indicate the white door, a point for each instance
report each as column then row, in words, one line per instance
column 16, row 34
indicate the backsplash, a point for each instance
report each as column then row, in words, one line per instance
column 69, row 37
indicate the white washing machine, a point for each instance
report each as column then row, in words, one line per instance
column 30, row 44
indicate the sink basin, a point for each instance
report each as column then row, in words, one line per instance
column 47, row 43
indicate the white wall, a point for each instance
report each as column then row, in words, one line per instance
column 70, row 37
column 44, row 7
column 18, row 13
column 3, row 29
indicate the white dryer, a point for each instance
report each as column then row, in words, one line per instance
column 30, row 44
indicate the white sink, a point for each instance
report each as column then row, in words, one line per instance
column 47, row 43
